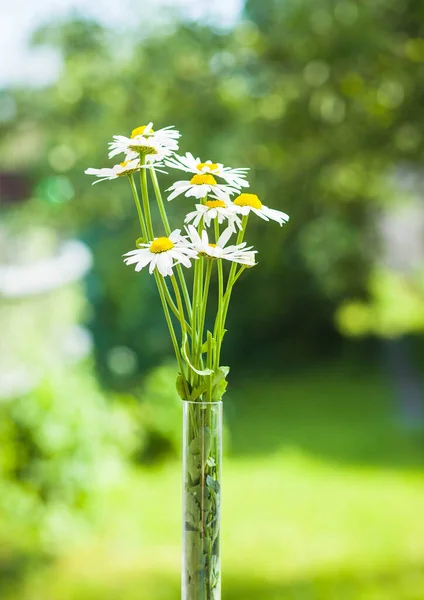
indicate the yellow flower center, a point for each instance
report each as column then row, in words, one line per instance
column 215, row 204
column 140, row 131
column 212, row 166
column 126, row 171
column 248, row 200
column 212, row 245
column 201, row 179
column 161, row 244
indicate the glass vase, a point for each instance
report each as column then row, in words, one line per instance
column 202, row 454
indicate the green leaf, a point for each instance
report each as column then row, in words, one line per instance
column 219, row 384
column 207, row 503
column 194, row 467
column 191, row 548
column 201, row 444
column 192, row 512
column 181, row 387
column 186, row 358
column 210, row 343
column 197, row 392
column 222, row 374
column 213, row 484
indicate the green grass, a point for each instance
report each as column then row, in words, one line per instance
column 323, row 500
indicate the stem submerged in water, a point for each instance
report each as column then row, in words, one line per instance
column 202, row 455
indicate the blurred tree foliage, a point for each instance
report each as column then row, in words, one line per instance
column 62, row 446
column 320, row 98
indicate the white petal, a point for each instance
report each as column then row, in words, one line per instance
column 163, row 262
column 192, row 216
column 131, row 260
column 145, row 259
column 196, row 191
column 179, row 184
column 225, row 236
column 141, row 264
column 205, row 238
column 153, row 263
column 175, row 235
column 177, row 191
column 276, row 215
column 260, row 213
column 185, row 261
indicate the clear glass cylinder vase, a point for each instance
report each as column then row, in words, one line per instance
column 202, row 456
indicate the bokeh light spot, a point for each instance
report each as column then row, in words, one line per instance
column 272, row 107
column 390, row 94
column 7, row 107
column 414, row 49
column 408, row 137
column 321, row 21
column 354, row 318
column 69, row 91
column 62, row 158
column 346, row 12
column 55, row 190
column 328, row 107
column 122, row 361
column 316, row 73
column 352, row 84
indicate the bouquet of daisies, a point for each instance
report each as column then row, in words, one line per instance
column 211, row 244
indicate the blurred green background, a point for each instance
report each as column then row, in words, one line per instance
column 324, row 492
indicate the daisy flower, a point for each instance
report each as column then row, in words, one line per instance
column 154, row 144
column 234, row 177
column 246, row 203
column 162, row 254
column 124, row 168
column 213, row 209
column 236, row 253
column 199, row 186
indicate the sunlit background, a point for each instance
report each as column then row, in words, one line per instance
column 324, row 415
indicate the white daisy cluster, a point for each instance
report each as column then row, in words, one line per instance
column 221, row 212
column 156, row 145
column 164, row 253
column 144, row 142
column 212, row 183
column 217, row 202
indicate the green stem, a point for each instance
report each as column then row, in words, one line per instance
column 219, row 315
column 205, row 298
column 179, row 304
column 227, row 294
column 138, row 206
column 163, row 290
column 194, row 312
column 160, row 202
column 196, row 315
column 174, row 308
column 209, row 365
column 199, row 309
column 145, row 197
column 240, row 237
column 167, row 228
column 181, row 317
column 223, row 308
column 161, row 283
